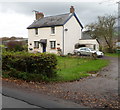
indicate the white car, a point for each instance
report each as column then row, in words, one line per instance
column 88, row 51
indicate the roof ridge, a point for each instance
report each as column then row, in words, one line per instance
column 56, row 15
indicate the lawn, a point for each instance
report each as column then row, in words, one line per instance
column 75, row 68
column 68, row 68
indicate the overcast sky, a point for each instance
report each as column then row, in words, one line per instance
column 15, row 17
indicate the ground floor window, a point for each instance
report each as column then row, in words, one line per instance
column 52, row 44
column 36, row 44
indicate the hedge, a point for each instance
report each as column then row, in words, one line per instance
column 31, row 63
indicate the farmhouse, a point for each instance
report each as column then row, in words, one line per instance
column 54, row 34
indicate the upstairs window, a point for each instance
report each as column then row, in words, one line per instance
column 52, row 30
column 36, row 31
column 52, row 44
column 36, row 44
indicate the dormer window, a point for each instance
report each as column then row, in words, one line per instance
column 52, row 30
column 36, row 31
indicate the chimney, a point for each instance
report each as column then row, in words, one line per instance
column 39, row 15
column 72, row 10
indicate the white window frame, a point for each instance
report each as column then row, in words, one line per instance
column 36, row 44
column 52, row 44
column 52, row 30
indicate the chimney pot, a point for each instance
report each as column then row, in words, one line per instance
column 72, row 10
column 39, row 15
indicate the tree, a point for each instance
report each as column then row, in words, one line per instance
column 104, row 29
column 92, row 31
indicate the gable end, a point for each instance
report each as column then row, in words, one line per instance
column 76, row 19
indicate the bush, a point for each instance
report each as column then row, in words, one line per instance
column 15, row 46
column 25, row 48
column 22, row 63
column 24, row 76
column 108, row 50
column 94, row 56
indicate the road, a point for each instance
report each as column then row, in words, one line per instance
column 8, row 102
column 19, row 98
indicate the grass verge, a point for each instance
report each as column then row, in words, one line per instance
column 112, row 54
column 70, row 69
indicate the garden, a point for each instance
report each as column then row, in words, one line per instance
column 74, row 68
column 46, row 67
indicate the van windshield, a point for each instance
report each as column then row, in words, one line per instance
column 91, row 49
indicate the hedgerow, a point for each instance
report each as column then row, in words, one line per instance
column 39, row 64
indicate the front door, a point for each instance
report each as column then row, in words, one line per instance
column 44, row 47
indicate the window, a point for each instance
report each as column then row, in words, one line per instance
column 87, row 49
column 52, row 44
column 36, row 31
column 52, row 30
column 36, row 44
column 94, row 46
column 83, row 49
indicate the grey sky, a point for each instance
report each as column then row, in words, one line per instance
column 16, row 16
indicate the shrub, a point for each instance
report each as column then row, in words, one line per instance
column 30, row 63
column 109, row 50
column 15, row 46
column 25, row 48
column 24, row 76
column 94, row 56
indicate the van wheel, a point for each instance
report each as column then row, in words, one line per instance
column 78, row 53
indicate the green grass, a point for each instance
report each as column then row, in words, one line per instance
column 112, row 54
column 70, row 69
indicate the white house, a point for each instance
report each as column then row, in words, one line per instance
column 53, row 33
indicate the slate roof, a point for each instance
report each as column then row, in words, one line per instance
column 85, row 35
column 58, row 20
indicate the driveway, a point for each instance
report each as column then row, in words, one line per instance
column 111, row 71
column 93, row 92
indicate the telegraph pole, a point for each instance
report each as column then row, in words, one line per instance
column 118, row 41
column 118, row 13
column 118, row 20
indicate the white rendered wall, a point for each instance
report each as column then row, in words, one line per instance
column 90, row 43
column 45, row 33
column 72, row 36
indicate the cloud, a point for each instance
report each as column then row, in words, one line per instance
column 55, row 7
column 14, row 24
column 16, row 16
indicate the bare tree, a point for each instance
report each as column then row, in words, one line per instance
column 104, row 29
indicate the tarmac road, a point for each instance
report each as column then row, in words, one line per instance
column 19, row 98
column 9, row 102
